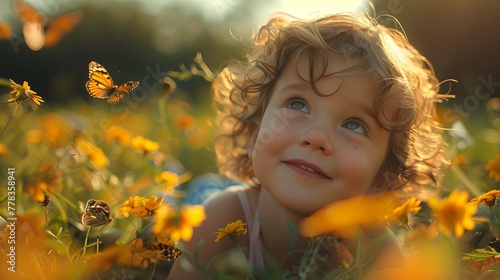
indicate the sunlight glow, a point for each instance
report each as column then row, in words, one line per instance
column 308, row 8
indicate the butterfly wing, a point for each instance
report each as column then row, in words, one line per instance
column 60, row 26
column 100, row 82
column 97, row 213
column 26, row 13
column 119, row 92
column 171, row 252
column 5, row 30
column 91, row 220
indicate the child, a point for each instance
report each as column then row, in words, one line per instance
column 324, row 110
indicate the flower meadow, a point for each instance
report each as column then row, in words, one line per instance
column 89, row 193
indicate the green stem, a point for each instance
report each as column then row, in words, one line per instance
column 3, row 215
column 162, row 111
column 97, row 244
column 46, row 213
column 246, row 263
column 86, row 239
column 153, row 272
column 13, row 113
column 467, row 182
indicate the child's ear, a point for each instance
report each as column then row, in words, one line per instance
column 252, row 132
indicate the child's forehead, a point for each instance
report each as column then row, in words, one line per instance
column 335, row 63
column 326, row 74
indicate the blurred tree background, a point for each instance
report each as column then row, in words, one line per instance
column 460, row 38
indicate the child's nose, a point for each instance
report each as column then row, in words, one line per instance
column 316, row 139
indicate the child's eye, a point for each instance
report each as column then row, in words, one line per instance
column 357, row 126
column 298, row 105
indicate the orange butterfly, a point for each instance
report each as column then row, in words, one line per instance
column 38, row 31
column 101, row 84
column 482, row 265
column 169, row 252
column 5, row 30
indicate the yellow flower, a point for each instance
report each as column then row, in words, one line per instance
column 170, row 179
column 147, row 258
column 141, row 144
column 45, row 179
column 453, row 212
column 461, row 161
column 35, row 258
column 201, row 135
column 20, row 93
column 139, row 255
column 146, row 207
column 34, row 136
column 37, row 191
column 431, row 261
column 184, row 122
column 130, row 204
column 56, row 129
column 107, row 258
column 30, row 231
column 4, row 151
column 142, row 207
column 493, row 167
column 400, row 214
column 232, row 230
column 345, row 218
column 178, row 225
column 489, row 198
column 163, row 239
column 116, row 133
column 421, row 233
column 95, row 154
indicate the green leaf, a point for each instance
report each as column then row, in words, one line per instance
column 56, row 245
column 4, row 82
column 481, row 254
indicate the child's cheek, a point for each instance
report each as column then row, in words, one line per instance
column 270, row 140
column 356, row 169
column 277, row 126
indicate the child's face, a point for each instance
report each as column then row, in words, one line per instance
column 311, row 150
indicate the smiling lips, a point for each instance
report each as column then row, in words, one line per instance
column 306, row 169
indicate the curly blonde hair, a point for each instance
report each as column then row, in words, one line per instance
column 242, row 90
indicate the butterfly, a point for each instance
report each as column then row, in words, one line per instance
column 169, row 252
column 38, row 31
column 101, row 84
column 97, row 213
column 5, row 30
column 482, row 265
column 46, row 200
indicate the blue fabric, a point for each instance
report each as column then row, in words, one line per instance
column 203, row 186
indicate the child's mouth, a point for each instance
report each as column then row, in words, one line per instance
column 306, row 169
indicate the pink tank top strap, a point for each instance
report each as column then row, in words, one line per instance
column 255, row 258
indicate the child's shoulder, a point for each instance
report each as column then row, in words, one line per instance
column 220, row 209
column 229, row 202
